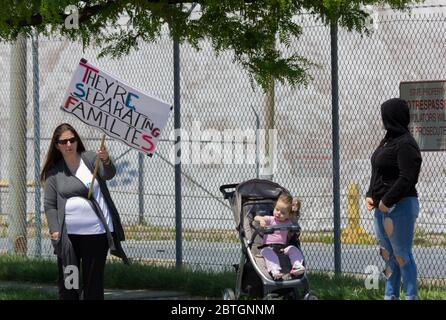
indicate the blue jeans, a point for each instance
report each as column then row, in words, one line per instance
column 395, row 232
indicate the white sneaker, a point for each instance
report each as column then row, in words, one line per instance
column 297, row 270
column 276, row 274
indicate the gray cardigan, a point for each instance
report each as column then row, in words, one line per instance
column 60, row 185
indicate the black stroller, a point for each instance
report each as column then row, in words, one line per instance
column 249, row 199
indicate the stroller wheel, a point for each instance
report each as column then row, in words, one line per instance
column 310, row 296
column 228, row 294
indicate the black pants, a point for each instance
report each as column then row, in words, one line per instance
column 91, row 251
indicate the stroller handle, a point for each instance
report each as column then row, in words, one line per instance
column 228, row 194
column 272, row 229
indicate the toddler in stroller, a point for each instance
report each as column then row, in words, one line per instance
column 252, row 202
column 277, row 243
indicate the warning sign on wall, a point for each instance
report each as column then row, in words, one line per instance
column 427, row 104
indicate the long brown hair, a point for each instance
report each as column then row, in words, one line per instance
column 54, row 155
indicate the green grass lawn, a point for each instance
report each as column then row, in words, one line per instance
column 349, row 287
column 25, row 294
column 195, row 283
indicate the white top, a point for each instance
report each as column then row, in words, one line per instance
column 80, row 217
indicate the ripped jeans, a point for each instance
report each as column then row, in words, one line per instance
column 395, row 232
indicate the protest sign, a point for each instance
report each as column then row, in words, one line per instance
column 120, row 111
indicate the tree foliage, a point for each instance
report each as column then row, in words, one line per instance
column 254, row 30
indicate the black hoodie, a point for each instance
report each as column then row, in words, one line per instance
column 397, row 161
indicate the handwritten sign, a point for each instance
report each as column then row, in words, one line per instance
column 120, row 111
column 427, row 105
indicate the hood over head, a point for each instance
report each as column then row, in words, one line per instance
column 396, row 117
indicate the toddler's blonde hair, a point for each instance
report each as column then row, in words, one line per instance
column 288, row 200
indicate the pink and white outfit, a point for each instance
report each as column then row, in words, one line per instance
column 280, row 237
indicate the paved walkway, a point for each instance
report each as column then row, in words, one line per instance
column 111, row 294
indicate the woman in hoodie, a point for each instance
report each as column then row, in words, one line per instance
column 396, row 165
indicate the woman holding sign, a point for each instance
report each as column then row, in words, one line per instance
column 82, row 228
column 396, row 165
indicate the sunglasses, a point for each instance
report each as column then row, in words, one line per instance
column 65, row 141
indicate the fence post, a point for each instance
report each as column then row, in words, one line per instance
column 141, row 188
column 335, row 137
column 36, row 103
column 17, row 148
column 267, row 171
column 177, row 127
column 257, row 142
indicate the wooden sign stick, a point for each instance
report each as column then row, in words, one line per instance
column 96, row 167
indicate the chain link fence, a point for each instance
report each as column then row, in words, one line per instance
column 222, row 114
